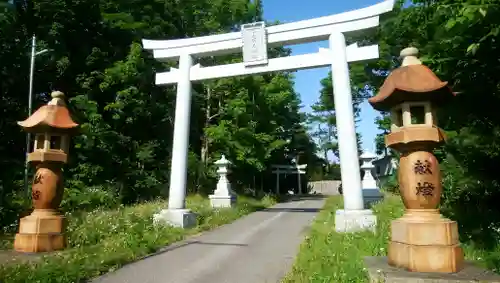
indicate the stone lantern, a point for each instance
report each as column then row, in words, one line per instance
column 371, row 192
column 43, row 229
column 422, row 240
column 223, row 195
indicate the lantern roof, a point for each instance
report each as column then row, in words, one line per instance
column 412, row 82
column 51, row 117
column 222, row 161
column 367, row 155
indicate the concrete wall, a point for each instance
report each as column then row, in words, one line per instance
column 329, row 187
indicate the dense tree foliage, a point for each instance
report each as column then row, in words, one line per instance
column 122, row 154
column 322, row 120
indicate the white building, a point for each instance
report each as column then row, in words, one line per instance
column 385, row 167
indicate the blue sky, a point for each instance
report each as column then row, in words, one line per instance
column 307, row 82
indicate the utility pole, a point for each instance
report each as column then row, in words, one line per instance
column 30, row 105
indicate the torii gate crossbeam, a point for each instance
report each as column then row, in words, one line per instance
column 338, row 55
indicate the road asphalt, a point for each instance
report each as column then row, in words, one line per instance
column 258, row 248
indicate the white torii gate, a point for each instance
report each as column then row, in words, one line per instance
column 289, row 169
column 253, row 41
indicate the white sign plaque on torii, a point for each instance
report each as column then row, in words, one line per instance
column 254, row 44
column 332, row 28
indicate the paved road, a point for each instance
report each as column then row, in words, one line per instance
column 259, row 248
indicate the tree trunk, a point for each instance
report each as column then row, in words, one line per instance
column 325, row 152
column 204, row 138
column 330, row 134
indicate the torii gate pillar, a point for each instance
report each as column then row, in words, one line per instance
column 353, row 217
column 177, row 214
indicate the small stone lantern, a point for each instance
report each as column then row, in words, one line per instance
column 43, row 229
column 371, row 192
column 223, row 195
column 422, row 240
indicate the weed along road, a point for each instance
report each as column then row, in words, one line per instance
column 260, row 247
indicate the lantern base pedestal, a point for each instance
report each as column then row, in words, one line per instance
column 42, row 231
column 221, row 201
column 182, row 218
column 424, row 241
column 371, row 196
column 347, row 221
column 379, row 271
column 435, row 258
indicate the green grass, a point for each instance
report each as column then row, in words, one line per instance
column 101, row 241
column 328, row 256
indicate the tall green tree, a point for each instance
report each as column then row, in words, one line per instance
column 322, row 120
column 383, row 124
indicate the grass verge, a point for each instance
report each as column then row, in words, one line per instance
column 328, row 256
column 101, row 241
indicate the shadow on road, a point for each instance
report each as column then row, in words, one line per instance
column 290, row 198
column 290, row 209
column 194, row 242
column 172, row 247
column 219, row 244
